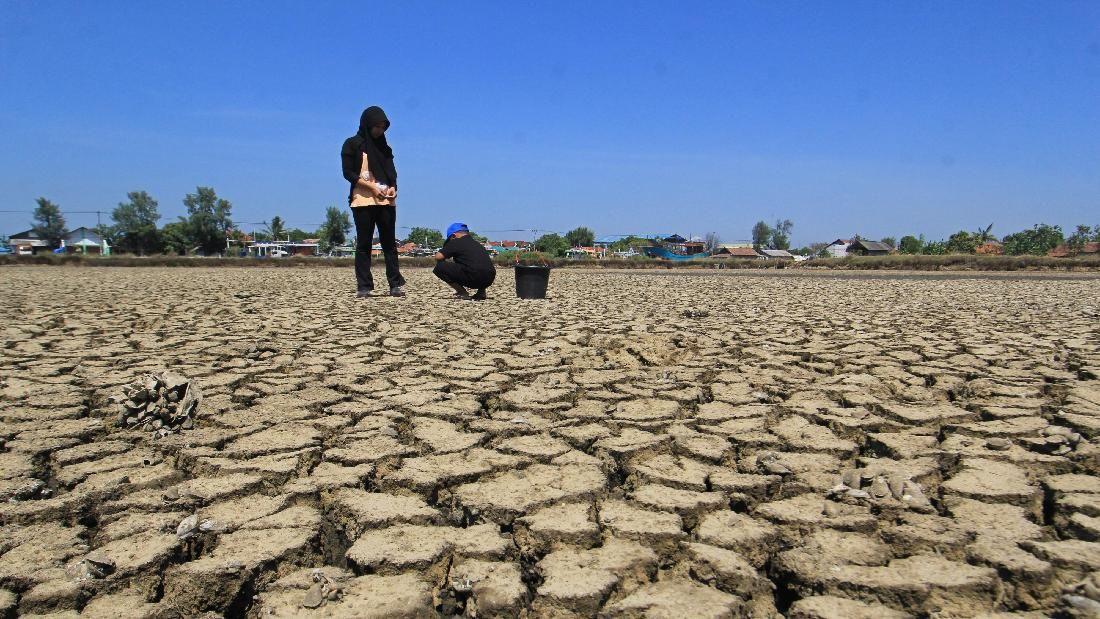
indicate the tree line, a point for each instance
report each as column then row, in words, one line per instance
column 207, row 227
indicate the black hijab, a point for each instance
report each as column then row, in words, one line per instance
column 379, row 153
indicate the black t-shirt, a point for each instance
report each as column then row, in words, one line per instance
column 470, row 255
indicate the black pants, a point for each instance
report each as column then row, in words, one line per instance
column 454, row 274
column 385, row 218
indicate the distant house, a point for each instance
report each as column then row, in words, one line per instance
column 27, row 243
column 777, row 254
column 84, row 240
column 303, row 248
column 1064, row 251
column 585, row 252
column 990, row 248
column 736, row 251
column 838, row 248
column 859, row 247
column 675, row 239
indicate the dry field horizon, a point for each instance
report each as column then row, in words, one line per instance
column 642, row 443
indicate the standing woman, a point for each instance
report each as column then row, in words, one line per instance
column 368, row 166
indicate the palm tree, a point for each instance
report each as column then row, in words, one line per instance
column 983, row 235
column 276, row 229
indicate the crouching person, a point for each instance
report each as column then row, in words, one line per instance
column 463, row 263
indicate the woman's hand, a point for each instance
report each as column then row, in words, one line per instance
column 376, row 192
column 391, row 192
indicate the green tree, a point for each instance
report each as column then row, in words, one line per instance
column 176, row 237
column 580, row 237
column 910, row 244
column 552, row 244
column 1039, row 240
column 135, row 224
column 983, row 235
column 276, row 230
column 426, row 237
column 1076, row 241
column 934, row 248
column 962, row 242
column 761, row 235
column 334, row 232
column 297, row 235
column 627, row 242
column 889, row 240
column 781, row 234
column 49, row 223
column 208, row 219
column 479, row 238
column 106, row 232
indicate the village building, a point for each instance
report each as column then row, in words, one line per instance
column 838, row 248
column 28, row 243
column 84, row 240
column 777, row 254
column 593, row 253
column 1065, row 251
column 737, row 251
column 860, row 247
column 990, row 248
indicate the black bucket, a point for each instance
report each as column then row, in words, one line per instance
column 531, row 281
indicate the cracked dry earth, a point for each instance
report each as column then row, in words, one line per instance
column 641, row 444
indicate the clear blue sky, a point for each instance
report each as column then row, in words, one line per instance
column 877, row 118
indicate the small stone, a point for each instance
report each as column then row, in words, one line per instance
column 773, row 467
column 314, row 597
column 879, row 488
column 915, row 498
column 851, row 478
column 897, row 485
column 998, row 443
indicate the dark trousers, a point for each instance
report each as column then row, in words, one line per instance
column 366, row 219
column 454, row 274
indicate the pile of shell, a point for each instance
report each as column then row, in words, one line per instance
column 1083, row 597
column 1055, row 440
column 94, row 565
column 160, row 403
column 769, row 463
column 867, row 486
column 323, row 590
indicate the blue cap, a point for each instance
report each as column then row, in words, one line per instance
column 457, row 226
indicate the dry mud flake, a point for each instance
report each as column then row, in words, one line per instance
column 514, row 493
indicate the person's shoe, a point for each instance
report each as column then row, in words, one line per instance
column 397, row 291
column 462, row 295
column 479, row 295
column 364, row 293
